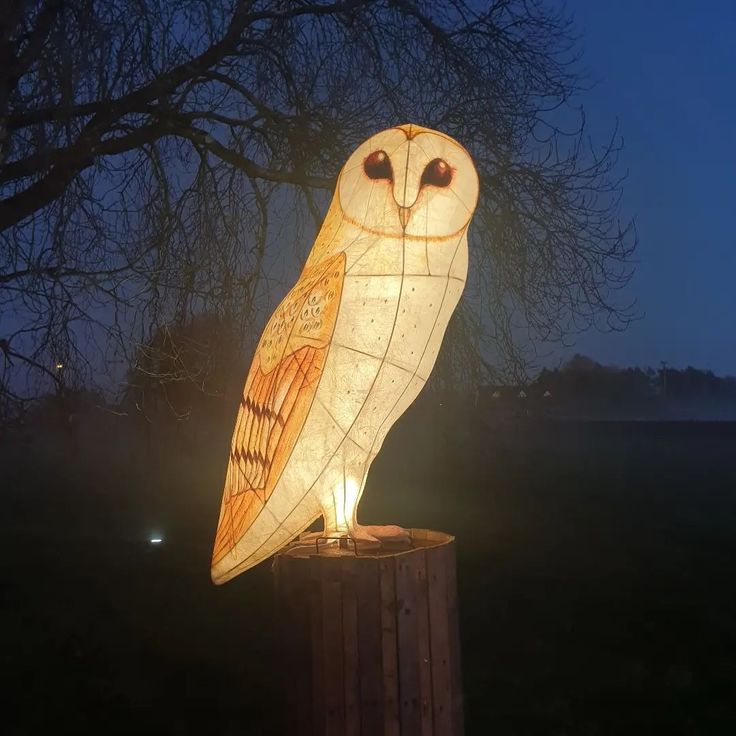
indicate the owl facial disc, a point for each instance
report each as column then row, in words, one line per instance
column 409, row 182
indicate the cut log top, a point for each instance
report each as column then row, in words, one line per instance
column 419, row 539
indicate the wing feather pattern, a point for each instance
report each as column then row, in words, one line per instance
column 278, row 392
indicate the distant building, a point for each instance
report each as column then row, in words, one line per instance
column 505, row 401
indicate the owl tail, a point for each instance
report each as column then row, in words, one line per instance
column 264, row 538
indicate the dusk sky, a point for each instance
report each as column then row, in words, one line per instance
column 667, row 72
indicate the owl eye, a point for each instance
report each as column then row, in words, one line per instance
column 378, row 166
column 437, row 173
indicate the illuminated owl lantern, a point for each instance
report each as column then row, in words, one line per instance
column 350, row 346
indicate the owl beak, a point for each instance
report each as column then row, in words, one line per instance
column 404, row 214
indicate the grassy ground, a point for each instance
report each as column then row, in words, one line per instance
column 596, row 568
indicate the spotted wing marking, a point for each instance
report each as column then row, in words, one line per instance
column 278, row 392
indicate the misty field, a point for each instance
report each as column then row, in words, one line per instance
column 596, row 567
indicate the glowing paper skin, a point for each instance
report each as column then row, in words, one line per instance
column 350, row 346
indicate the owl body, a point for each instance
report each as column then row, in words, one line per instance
column 358, row 335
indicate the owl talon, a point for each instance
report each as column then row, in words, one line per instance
column 378, row 534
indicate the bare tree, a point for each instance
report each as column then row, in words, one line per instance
column 181, row 368
column 158, row 158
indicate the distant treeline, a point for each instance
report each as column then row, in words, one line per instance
column 583, row 386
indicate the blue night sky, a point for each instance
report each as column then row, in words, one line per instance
column 667, row 72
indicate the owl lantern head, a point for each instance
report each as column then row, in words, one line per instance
column 409, row 182
column 349, row 347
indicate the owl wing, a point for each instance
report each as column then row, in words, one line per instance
column 278, row 392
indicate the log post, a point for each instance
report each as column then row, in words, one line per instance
column 370, row 640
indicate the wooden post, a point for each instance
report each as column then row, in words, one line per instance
column 370, row 641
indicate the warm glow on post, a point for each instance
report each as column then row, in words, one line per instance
column 350, row 346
